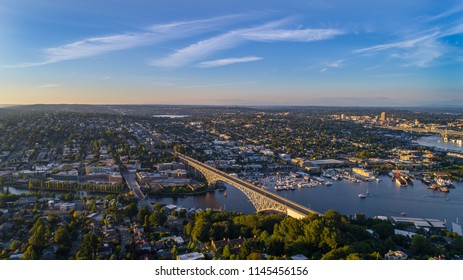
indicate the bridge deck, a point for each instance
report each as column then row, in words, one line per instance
column 293, row 208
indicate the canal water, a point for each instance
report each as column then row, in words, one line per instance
column 18, row 191
column 437, row 142
column 385, row 198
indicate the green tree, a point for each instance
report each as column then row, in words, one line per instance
column 87, row 250
column 330, row 238
column 40, row 235
column 254, row 256
column 353, row 256
column 63, row 236
column 275, row 246
column 421, row 245
column 15, row 245
column 174, row 252
column 364, row 154
column 131, row 210
column 142, row 213
column 200, row 231
column 226, row 253
column 182, row 213
column 30, row 254
column 384, row 230
column 158, row 218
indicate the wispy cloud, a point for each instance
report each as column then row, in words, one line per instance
column 426, row 47
column 454, row 10
column 95, row 46
column 269, row 32
column 49, row 86
column 299, row 35
column 330, row 65
column 228, row 61
column 406, row 44
column 420, row 51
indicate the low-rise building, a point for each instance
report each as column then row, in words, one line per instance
column 362, row 172
column 395, row 255
column 191, row 256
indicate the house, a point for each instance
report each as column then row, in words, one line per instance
column 219, row 244
column 5, row 228
column 235, row 244
column 299, row 257
column 191, row 256
column 104, row 251
column 49, row 253
column 395, row 255
column 16, row 256
column 144, row 247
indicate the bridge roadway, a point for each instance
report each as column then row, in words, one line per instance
column 290, row 205
column 424, row 130
column 136, row 190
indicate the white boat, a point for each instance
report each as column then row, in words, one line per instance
column 319, row 179
column 364, row 195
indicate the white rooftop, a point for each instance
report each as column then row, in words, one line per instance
column 191, row 256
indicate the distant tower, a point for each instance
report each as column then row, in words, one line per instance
column 342, row 116
column 383, row 116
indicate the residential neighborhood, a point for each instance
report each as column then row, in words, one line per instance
column 86, row 185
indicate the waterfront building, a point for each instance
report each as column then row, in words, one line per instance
column 362, row 172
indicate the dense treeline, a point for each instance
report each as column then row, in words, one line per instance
column 329, row 237
column 75, row 186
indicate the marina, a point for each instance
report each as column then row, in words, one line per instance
column 421, row 197
column 384, row 197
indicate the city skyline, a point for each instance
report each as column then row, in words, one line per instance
column 156, row 52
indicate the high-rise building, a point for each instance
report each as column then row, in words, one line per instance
column 383, row 116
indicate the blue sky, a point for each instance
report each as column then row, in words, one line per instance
column 294, row 52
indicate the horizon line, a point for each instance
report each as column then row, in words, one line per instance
column 236, row 105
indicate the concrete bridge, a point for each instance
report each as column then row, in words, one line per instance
column 261, row 199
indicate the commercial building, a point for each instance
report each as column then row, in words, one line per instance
column 383, row 116
column 362, row 172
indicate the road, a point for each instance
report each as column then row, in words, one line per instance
column 289, row 203
column 130, row 179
